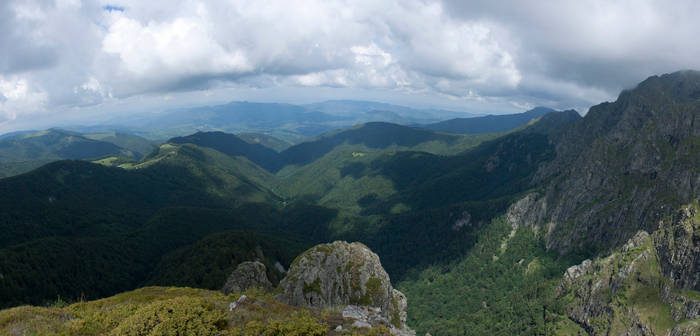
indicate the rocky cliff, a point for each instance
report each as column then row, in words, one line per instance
column 644, row 288
column 622, row 168
column 678, row 245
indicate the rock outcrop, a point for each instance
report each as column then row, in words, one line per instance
column 594, row 286
column 678, row 245
column 342, row 274
column 691, row 328
column 622, row 168
column 647, row 287
column 247, row 274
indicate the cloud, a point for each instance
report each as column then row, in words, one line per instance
column 596, row 46
column 22, row 52
column 157, row 54
column 17, row 94
column 325, row 43
column 71, row 54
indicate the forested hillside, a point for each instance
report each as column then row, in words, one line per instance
column 485, row 234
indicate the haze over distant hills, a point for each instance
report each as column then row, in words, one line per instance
column 488, row 124
column 563, row 225
column 287, row 122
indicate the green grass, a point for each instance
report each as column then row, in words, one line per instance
column 156, row 311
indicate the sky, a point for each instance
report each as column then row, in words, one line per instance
column 73, row 61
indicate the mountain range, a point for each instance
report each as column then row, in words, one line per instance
column 488, row 124
column 543, row 222
column 287, row 122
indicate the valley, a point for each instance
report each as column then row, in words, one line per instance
column 539, row 223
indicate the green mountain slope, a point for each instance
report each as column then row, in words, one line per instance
column 627, row 166
column 268, row 141
column 88, row 217
column 375, row 135
column 68, row 225
column 134, row 143
column 504, row 285
column 23, row 152
column 234, row 178
column 446, row 199
column 340, row 170
column 55, row 144
column 232, row 145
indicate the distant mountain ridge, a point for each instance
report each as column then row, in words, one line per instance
column 55, row 143
column 268, row 141
column 369, row 109
column 232, row 145
column 373, row 135
column 24, row 151
column 288, row 122
column 488, row 124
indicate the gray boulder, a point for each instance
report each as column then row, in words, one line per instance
column 247, row 274
column 341, row 274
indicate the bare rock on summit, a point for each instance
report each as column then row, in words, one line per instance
column 247, row 274
column 341, row 274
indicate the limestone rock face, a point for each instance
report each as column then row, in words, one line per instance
column 247, row 274
column 687, row 329
column 678, row 245
column 341, row 274
column 621, row 291
column 621, row 169
column 591, row 285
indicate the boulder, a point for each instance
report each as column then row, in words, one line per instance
column 342, row 274
column 247, row 274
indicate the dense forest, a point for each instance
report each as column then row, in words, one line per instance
column 478, row 230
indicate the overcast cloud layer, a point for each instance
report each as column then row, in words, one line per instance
column 77, row 59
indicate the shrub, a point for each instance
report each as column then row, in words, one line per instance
column 179, row 316
column 298, row 324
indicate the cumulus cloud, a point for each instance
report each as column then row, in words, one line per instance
column 311, row 43
column 592, row 48
column 68, row 54
column 17, row 94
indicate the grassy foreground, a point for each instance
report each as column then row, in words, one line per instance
column 176, row 311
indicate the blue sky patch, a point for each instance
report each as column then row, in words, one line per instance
column 110, row 8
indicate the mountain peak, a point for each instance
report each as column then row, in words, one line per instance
column 679, row 86
column 615, row 165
